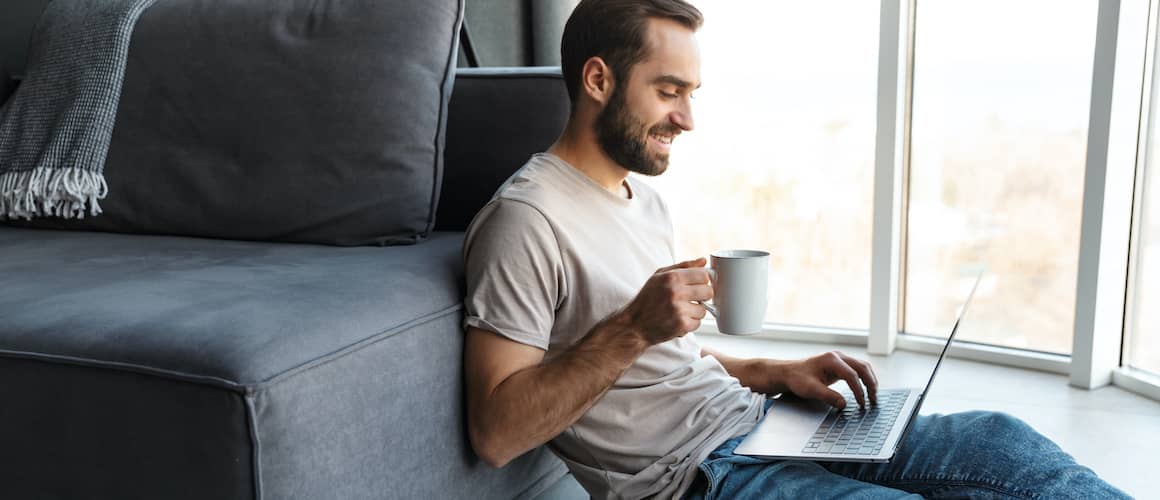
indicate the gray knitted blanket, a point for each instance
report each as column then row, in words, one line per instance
column 55, row 130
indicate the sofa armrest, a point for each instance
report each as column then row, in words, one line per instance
column 498, row 118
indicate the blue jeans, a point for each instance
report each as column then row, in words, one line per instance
column 963, row 455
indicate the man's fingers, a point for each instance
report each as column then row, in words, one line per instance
column 694, row 276
column 833, row 365
column 868, row 378
column 851, row 377
column 699, row 311
column 832, row 398
column 699, row 293
column 698, row 262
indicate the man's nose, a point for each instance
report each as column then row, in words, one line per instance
column 683, row 116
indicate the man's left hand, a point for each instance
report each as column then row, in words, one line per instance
column 808, row 378
column 811, row 378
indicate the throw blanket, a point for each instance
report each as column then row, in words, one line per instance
column 55, row 131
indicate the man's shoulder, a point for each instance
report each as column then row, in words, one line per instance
column 536, row 184
column 518, row 209
column 511, row 214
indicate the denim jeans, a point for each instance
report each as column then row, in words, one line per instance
column 963, row 455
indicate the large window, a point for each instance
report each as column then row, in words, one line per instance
column 1000, row 113
column 782, row 158
column 1142, row 346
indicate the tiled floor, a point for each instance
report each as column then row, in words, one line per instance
column 1115, row 432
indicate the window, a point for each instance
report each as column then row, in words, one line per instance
column 1000, row 114
column 1142, row 342
column 782, row 158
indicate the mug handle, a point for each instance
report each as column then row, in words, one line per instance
column 713, row 283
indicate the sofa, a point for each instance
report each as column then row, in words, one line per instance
column 270, row 304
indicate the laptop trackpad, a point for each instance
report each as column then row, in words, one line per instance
column 787, row 426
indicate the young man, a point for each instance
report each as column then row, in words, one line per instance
column 577, row 320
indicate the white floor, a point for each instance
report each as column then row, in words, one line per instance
column 1113, row 431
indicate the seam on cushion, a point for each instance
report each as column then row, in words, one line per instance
column 255, row 444
column 444, row 109
column 353, row 348
column 128, row 367
column 243, row 388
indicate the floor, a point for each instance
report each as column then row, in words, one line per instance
column 1113, row 431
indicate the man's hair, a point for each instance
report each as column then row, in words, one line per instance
column 614, row 30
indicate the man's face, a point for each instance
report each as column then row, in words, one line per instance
column 637, row 126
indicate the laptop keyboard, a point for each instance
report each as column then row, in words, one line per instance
column 856, row 431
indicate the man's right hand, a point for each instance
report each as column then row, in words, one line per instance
column 667, row 306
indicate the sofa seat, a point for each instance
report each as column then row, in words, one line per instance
column 228, row 312
column 224, row 369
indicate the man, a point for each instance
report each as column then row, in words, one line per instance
column 575, row 341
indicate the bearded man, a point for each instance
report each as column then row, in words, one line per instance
column 578, row 320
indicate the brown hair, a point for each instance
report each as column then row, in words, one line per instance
column 614, row 30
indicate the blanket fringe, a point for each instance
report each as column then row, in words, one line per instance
column 55, row 192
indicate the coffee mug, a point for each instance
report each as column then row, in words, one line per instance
column 740, row 280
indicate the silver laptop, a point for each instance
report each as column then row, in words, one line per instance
column 800, row 429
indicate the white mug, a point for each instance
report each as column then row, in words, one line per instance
column 740, row 280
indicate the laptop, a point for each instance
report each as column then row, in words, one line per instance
column 801, row 429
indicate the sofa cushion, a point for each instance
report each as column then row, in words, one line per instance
column 228, row 312
column 289, row 120
column 498, row 118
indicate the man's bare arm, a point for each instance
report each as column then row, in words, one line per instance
column 748, row 371
column 517, row 401
column 808, row 378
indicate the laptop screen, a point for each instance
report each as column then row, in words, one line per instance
column 954, row 329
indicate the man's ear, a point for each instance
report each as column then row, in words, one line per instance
column 596, row 80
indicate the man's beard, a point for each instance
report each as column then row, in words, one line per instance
column 623, row 138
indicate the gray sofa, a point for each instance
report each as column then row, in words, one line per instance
column 251, row 317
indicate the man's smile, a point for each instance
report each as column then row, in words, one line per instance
column 662, row 141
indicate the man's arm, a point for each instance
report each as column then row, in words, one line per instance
column 516, row 401
column 808, row 378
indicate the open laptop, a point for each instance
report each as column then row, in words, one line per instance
column 800, row 429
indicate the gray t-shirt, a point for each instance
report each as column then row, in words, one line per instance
column 553, row 254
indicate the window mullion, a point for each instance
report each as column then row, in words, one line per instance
column 1112, row 147
column 894, row 65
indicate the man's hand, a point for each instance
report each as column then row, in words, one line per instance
column 808, row 378
column 666, row 306
column 811, row 378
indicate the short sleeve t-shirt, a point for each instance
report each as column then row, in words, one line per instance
column 550, row 256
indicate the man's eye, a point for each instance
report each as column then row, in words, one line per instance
column 668, row 95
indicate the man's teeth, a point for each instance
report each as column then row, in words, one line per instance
column 664, row 139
